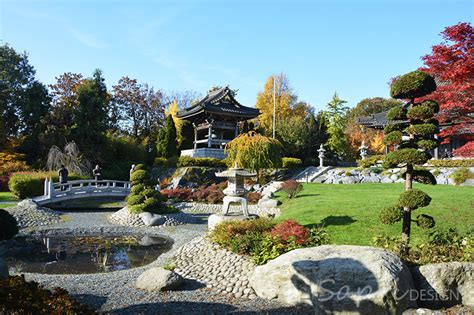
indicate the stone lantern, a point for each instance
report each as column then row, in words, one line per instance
column 321, row 151
column 363, row 150
column 234, row 193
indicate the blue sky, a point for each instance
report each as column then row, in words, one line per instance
column 353, row 47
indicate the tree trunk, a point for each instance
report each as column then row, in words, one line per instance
column 407, row 213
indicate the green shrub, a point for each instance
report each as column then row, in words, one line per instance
column 391, row 215
column 289, row 162
column 186, row 161
column 137, row 189
column 414, row 199
column 140, row 177
column 8, row 225
column 432, row 104
column 393, row 138
column 420, row 111
column 17, row 296
column 166, row 162
column 412, row 85
column 370, row 161
column 376, row 169
column 133, row 200
column 31, row 184
column 396, row 113
column 461, row 175
column 26, row 186
column 425, row 221
column 452, row 163
column 403, row 156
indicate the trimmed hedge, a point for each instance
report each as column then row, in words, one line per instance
column 420, row 111
column 428, row 144
column 422, row 129
column 425, row 221
column 391, row 215
column 390, row 127
column 414, row 199
column 396, row 113
column 186, row 161
column 289, row 162
column 412, row 85
column 394, row 137
column 402, row 156
column 452, row 163
column 31, row 184
column 432, row 104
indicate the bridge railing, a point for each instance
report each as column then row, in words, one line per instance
column 52, row 189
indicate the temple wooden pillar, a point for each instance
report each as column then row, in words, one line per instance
column 209, row 136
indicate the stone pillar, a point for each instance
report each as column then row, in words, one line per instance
column 209, row 136
column 236, row 129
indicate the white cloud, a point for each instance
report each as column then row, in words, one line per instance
column 87, row 39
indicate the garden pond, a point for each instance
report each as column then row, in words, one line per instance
column 82, row 254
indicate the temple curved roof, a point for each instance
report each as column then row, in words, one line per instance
column 221, row 103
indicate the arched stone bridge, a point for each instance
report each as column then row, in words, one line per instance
column 77, row 189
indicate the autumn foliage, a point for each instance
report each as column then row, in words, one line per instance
column 290, row 229
column 451, row 64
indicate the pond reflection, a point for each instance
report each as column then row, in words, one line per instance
column 84, row 254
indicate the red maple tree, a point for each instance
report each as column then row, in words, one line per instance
column 451, row 64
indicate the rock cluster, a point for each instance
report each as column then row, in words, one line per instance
column 218, row 268
column 28, row 214
column 123, row 217
column 355, row 176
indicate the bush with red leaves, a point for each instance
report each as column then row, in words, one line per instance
column 209, row 194
column 291, row 187
column 466, row 151
column 291, row 228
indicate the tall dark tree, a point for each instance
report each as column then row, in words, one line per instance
column 413, row 142
column 187, row 136
column 90, row 117
column 166, row 145
column 17, row 86
column 316, row 136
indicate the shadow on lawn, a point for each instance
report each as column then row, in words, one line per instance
column 307, row 195
column 333, row 220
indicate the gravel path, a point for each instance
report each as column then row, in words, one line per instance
column 115, row 292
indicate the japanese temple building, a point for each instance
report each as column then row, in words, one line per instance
column 216, row 120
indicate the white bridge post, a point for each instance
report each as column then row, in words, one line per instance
column 46, row 186
column 50, row 188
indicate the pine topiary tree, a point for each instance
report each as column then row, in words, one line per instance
column 167, row 144
column 412, row 142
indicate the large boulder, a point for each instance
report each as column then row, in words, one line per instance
column 159, row 279
column 444, row 284
column 152, row 219
column 3, row 269
column 337, row 279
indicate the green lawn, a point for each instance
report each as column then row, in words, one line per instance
column 7, row 200
column 350, row 213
